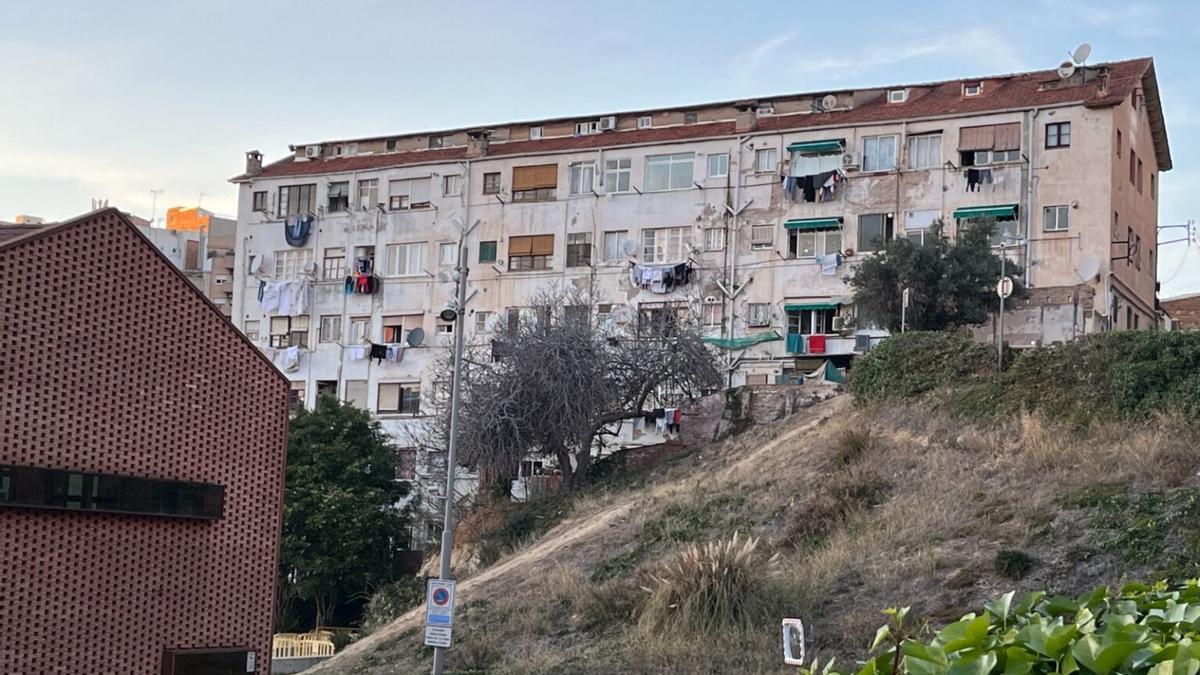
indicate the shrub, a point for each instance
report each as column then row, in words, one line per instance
column 852, row 444
column 1013, row 564
column 911, row 364
column 705, row 588
column 391, row 600
column 840, row 497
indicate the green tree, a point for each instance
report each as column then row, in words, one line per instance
column 342, row 523
column 952, row 283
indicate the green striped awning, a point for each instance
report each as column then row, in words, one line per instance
column 817, row 147
column 1005, row 211
column 814, row 224
column 742, row 342
column 812, row 305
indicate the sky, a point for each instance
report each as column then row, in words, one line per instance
column 118, row 100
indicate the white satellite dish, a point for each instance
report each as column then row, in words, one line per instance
column 442, row 277
column 1081, row 53
column 1066, row 69
column 1089, row 267
column 630, row 247
column 415, row 337
column 829, row 101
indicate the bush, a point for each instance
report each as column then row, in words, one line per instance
column 391, row 600
column 1141, row 630
column 1013, row 564
column 846, row 493
column 706, row 588
column 911, row 364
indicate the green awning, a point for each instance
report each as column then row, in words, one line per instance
column 743, row 342
column 817, row 147
column 814, row 224
column 1006, row 211
column 814, row 305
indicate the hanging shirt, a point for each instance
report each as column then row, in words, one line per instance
column 270, row 296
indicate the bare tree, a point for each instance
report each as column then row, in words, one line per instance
column 559, row 380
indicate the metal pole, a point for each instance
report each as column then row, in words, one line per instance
column 439, row 653
column 1000, row 330
column 903, row 310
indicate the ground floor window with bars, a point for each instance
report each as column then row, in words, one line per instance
column 289, row 331
column 399, row 397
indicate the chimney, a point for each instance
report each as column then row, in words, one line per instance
column 477, row 142
column 253, row 163
column 747, row 117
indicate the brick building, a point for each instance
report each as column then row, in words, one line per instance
column 142, row 451
column 1184, row 311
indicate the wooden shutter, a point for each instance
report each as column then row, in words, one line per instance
column 389, row 397
column 1008, row 136
column 542, row 244
column 977, row 138
column 535, row 177
column 519, row 246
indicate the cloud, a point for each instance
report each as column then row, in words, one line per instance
column 1131, row 20
column 987, row 48
column 750, row 62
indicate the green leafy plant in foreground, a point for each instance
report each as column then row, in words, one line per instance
column 1140, row 630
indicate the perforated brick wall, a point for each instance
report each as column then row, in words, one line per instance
column 111, row 362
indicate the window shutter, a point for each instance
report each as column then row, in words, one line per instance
column 535, row 177
column 419, row 191
column 977, row 138
column 542, row 245
column 1008, row 136
column 389, row 397
column 520, row 245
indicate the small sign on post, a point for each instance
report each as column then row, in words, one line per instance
column 439, row 612
column 1005, row 287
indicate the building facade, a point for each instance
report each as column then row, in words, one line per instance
column 142, row 449
column 751, row 215
column 201, row 245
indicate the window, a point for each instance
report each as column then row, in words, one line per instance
column 34, row 487
column 534, row 183
column 397, row 328
column 447, row 254
column 1139, row 177
column 1119, row 143
column 874, row 230
column 1055, row 218
column 1153, row 187
column 645, row 122
column 917, row 224
column 810, row 321
column 368, row 194
column 765, row 160
column 289, row 331
column 491, row 183
column 406, row 463
column 436, row 142
column 579, row 249
column 714, row 239
column 191, row 255
column 364, row 259
column 690, row 117
column 535, row 133
column 402, row 398
column 758, row 314
column 581, row 177
column 487, row 251
column 530, row 252
column 408, row 193
column 664, row 244
column 337, row 198
column 404, row 260
column 614, row 245
column 925, row 151
column 669, row 172
column 451, row 185
column 290, row 264
column 985, row 157
column 879, row 153
column 1137, row 251
column 296, row 397
column 1132, row 166
column 390, row 145
column 812, row 243
column 334, row 264
column 251, row 330
column 811, row 164
column 1058, row 135
column 331, row 328
column 360, row 329
column 897, row 95
column 762, row 237
column 259, row 201
column 327, row 388
column 661, row 319
column 972, row 88
column 445, row 328
column 713, row 313
column 297, row 200
column 718, row 165
column 617, row 174
column 989, row 143
column 482, row 321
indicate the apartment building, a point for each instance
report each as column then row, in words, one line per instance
column 751, row 215
column 201, row 245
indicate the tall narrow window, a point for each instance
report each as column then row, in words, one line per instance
column 614, row 245
column 925, row 151
column 368, row 194
column 718, row 165
column 874, row 231
column 297, row 200
column 765, row 160
column 491, row 183
column 338, row 197
column 617, row 173
column 581, row 177
column 333, row 266
column 1058, row 135
column 579, row 249
column 331, row 328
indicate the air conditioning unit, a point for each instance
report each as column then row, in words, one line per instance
column 764, row 111
column 839, row 324
column 312, row 151
column 608, row 123
column 848, row 161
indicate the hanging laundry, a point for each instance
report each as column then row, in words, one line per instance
column 356, row 353
column 829, row 263
column 288, row 360
column 669, row 419
column 296, row 230
column 261, row 286
column 293, row 297
column 678, row 418
column 972, row 180
column 349, row 285
column 269, row 296
column 379, row 353
column 985, row 176
column 363, row 265
column 395, row 353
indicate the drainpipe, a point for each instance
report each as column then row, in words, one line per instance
column 1029, row 198
column 730, row 293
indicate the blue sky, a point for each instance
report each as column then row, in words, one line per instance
column 115, row 99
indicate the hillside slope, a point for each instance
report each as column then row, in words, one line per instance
column 865, row 508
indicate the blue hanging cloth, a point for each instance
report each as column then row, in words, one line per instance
column 296, row 230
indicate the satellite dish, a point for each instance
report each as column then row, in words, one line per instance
column 1089, row 267
column 630, row 247
column 1066, row 69
column 415, row 337
column 1081, row 53
column 829, row 101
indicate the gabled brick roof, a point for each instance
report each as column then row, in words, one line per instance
column 935, row 99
